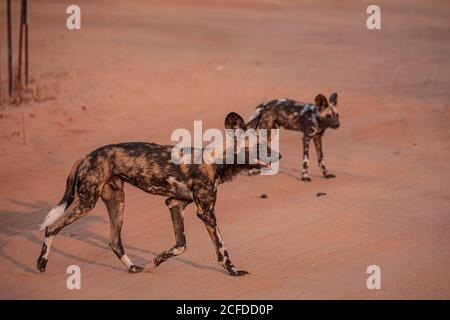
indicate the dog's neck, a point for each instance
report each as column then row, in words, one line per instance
column 226, row 172
column 223, row 171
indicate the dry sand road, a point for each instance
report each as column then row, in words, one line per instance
column 139, row 69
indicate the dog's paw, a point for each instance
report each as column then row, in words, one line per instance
column 238, row 273
column 135, row 269
column 41, row 263
column 306, row 178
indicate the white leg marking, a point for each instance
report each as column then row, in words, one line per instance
column 53, row 215
column 126, row 261
column 48, row 242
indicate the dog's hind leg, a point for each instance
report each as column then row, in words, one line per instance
column 176, row 207
column 305, row 162
column 43, row 257
column 75, row 211
column 114, row 198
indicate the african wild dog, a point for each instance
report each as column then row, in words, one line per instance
column 311, row 119
column 149, row 166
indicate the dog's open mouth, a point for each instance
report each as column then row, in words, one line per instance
column 262, row 163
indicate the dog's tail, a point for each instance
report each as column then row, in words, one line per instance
column 57, row 211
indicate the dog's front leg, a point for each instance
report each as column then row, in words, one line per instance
column 305, row 163
column 205, row 211
column 222, row 254
column 321, row 164
column 176, row 207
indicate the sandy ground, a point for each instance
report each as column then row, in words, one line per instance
column 139, row 69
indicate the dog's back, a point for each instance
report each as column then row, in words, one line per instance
column 283, row 113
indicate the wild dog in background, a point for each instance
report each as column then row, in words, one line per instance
column 149, row 166
column 311, row 119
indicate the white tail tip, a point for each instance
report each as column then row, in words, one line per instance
column 53, row 215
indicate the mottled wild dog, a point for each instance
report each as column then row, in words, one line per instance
column 149, row 166
column 311, row 119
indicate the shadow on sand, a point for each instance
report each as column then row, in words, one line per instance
column 26, row 223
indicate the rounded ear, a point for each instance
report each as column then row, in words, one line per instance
column 235, row 121
column 321, row 102
column 333, row 99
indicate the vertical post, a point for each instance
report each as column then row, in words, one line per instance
column 19, row 69
column 10, row 73
column 25, row 23
column 1, row 88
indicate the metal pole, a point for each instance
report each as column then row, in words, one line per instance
column 10, row 73
column 25, row 24
column 19, row 73
column 1, row 88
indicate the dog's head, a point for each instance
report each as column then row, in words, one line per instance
column 328, row 112
column 248, row 146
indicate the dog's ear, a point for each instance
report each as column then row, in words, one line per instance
column 235, row 121
column 321, row 102
column 333, row 99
